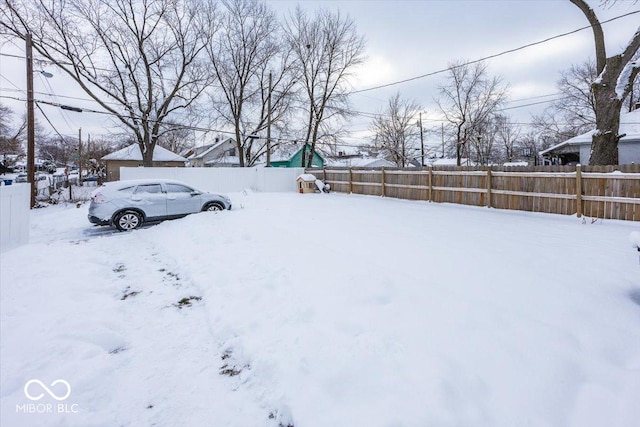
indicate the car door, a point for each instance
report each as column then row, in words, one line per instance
column 151, row 200
column 181, row 200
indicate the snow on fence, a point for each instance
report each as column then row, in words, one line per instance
column 14, row 215
column 593, row 191
column 224, row 180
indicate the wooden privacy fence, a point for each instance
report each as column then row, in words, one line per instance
column 593, row 191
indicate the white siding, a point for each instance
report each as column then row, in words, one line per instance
column 628, row 152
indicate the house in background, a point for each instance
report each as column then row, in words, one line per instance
column 360, row 161
column 222, row 153
column 131, row 156
column 578, row 149
column 290, row 156
column 448, row 162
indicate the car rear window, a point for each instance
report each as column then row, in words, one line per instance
column 149, row 188
column 126, row 189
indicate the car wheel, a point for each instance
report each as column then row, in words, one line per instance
column 128, row 220
column 214, row 206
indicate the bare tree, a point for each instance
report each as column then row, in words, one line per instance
column 139, row 60
column 573, row 112
column 247, row 52
column 613, row 84
column 96, row 149
column 177, row 138
column 11, row 138
column 577, row 105
column 507, row 134
column 395, row 130
column 483, row 146
column 532, row 143
column 6, row 114
column 327, row 48
column 58, row 149
column 468, row 100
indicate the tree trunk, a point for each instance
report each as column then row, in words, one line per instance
column 147, row 155
column 604, row 144
column 458, row 148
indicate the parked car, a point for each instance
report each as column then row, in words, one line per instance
column 128, row 204
column 23, row 177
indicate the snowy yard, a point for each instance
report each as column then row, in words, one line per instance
column 323, row 310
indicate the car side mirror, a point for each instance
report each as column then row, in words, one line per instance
column 195, row 193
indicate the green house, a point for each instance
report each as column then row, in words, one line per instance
column 290, row 156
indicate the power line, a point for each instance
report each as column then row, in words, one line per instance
column 433, row 73
column 174, row 126
column 531, row 104
column 52, row 94
column 49, row 121
column 63, row 114
column 12, row 84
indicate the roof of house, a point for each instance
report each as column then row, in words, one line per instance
column 629, row 127
column 286, row 152
column 201, row 152
column 448, row 162
column 132, row 152
column 224, row 160
column 362, row 162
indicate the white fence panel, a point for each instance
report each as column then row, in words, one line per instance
column 14, row 216
column 223, row 180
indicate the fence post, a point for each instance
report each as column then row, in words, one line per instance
column 383, row 182
column 489, row 187
column 430, row 183
column 324, row 174
column 579, row 190
column 350, row 181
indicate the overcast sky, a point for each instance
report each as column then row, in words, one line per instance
column 406, row 39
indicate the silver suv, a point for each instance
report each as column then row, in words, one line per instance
column 128, row 204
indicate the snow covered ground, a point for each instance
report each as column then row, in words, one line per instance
column 323, row 310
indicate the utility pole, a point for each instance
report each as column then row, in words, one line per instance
column 80, row 157
column 421, row 139
column 269, row 125
column 31, row 132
